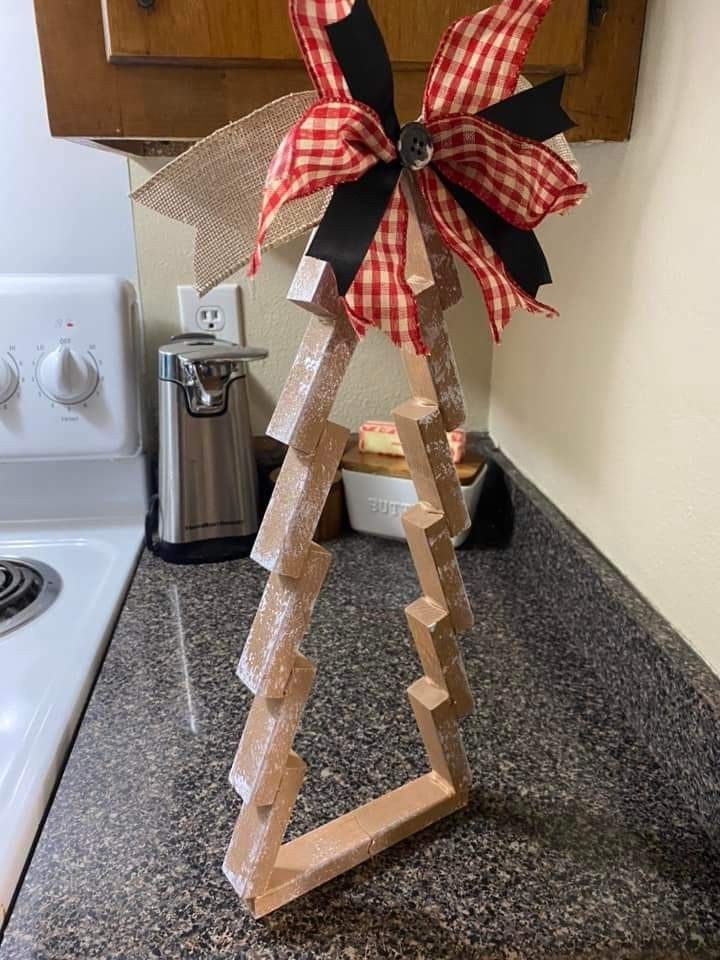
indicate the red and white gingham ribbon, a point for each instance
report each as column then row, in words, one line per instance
column 338, row 139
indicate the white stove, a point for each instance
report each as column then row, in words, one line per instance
column 73, row 495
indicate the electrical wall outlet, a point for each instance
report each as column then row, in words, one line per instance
column 218, row 312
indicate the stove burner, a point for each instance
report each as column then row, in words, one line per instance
column 26, row 590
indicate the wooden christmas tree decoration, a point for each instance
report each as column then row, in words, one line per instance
column 266, row 773
column 483, row 165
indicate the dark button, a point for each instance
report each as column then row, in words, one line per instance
column 415, row 146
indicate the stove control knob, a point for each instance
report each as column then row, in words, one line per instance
column 66, row 375
column 8, row 380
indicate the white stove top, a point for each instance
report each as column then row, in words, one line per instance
column 48, row 666
column 73, row 497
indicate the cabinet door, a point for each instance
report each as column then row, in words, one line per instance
column 143, row 108
column 214, row 32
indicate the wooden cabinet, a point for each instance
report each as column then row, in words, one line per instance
column 258, row 31
column 147, row 76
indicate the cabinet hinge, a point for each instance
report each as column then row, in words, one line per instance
column 598, row 11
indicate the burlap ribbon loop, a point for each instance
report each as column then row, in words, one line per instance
column 216, row 186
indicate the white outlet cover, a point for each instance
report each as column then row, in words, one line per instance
column 225, row 298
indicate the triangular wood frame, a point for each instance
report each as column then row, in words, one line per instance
column 266, row 773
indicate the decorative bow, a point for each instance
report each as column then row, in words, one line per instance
column 477, row 154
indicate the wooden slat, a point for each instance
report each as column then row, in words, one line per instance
column 311, row 860
column 292, row 516
column 212, row 31
column 280, row 623
column 427, row 451
column 267, row 738
column 312, row 384
column 258, row 834
column 438, row 725
column 337, row 846
column 439, row 652
column 404, row 811
column 89, row 98
column 436, row 565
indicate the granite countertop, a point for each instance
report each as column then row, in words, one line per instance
column 575, row 844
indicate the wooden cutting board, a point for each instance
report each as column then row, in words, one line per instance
column 385, row 466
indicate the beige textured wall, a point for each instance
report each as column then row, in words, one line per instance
column 375, row 382
column 614, row 411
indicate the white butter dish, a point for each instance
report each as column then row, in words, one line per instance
column 376, row 500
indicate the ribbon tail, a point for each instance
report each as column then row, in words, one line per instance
column 519, row 250
column 351, row 221
column 500, row 293
column 535, row 113
column 381, row 296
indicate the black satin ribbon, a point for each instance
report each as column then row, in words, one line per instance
column 360, row 50
column 356, row 209
column 351, row 220
column 535, row 113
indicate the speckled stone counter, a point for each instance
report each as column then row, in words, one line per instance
column 580, row 841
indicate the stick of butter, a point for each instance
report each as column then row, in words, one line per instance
column 381, row 436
